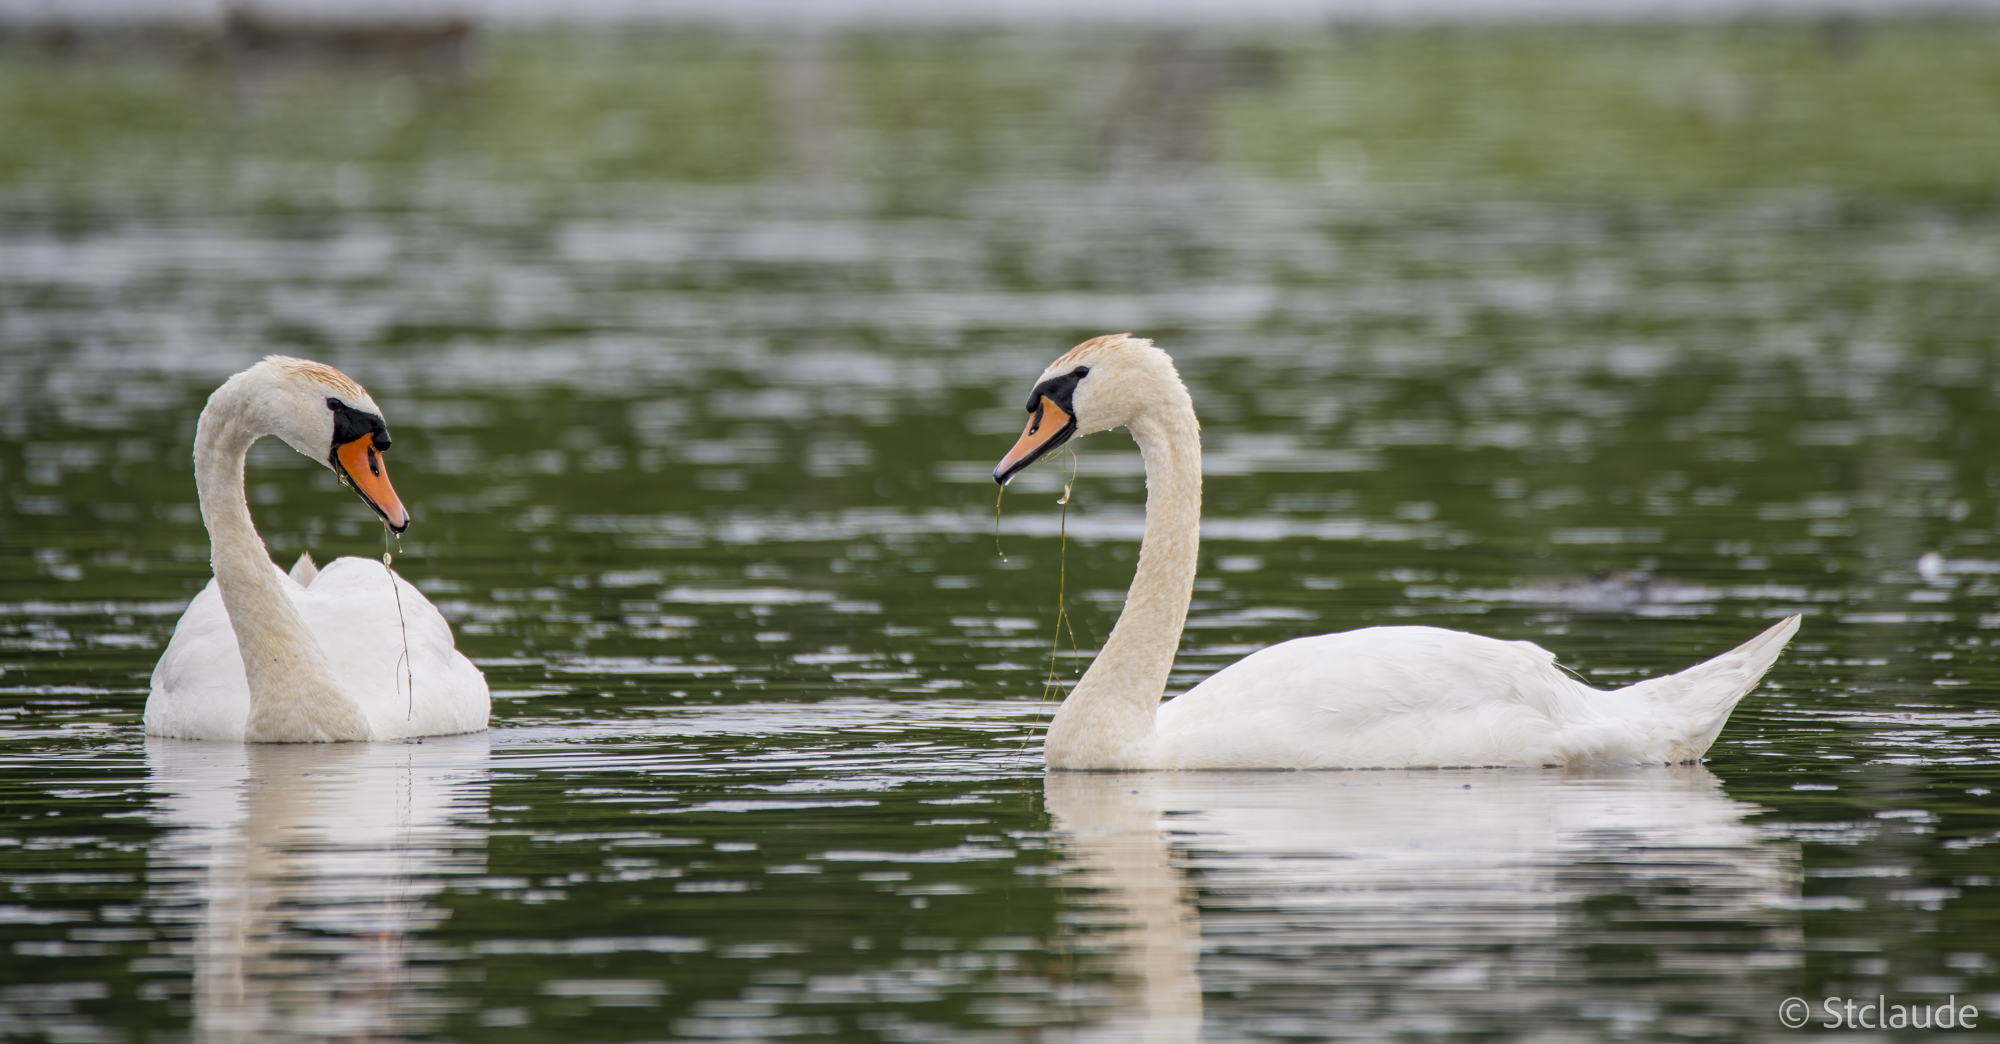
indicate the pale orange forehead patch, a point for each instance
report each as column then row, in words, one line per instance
column 316, row 371
column 1096, row 345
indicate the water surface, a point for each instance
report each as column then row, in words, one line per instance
column 696, row 408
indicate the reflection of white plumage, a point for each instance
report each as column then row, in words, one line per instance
column 1378, row 697
column 352, row 652
column 305, row 871
column 1369, row 899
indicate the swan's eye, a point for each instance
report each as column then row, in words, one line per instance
column 1054, row 393
column 350, row 424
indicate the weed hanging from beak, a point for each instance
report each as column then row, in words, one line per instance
column 1050, row 684
column 409, row 677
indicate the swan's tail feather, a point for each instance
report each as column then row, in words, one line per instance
column 1706, row 692
column 303, row 570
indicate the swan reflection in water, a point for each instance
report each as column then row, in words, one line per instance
column 305, row 870
column 1376, row 904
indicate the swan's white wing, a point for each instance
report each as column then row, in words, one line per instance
column 367, row 626
column 304, row 570
column 1391, row 697
column 199, row 690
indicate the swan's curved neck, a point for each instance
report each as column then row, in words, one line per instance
column 1107, row 720
column 294, row 695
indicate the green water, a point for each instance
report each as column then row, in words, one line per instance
column 698, row 351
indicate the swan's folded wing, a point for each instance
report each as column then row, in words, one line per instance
column 304, row 570
column 1389, row 697
column 394, row 651
column 199, row 689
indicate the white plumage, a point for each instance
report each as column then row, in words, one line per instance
column 1380, row 697
column 200, row 690
column 1426, row 696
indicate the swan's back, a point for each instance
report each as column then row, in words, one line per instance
column 1408, row 697
column 366, row 628
column 200, row 690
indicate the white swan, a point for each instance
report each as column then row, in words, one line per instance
column 350, row 652
column 1379, row 697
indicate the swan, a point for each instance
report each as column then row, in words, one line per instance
column 1378, row 697
column 349, row 652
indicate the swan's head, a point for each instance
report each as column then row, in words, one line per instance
column 1106, row 382
column 323, row 414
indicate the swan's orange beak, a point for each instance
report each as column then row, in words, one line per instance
column 1048, row 427
column 363, row 467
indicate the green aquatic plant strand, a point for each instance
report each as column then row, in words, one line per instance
column 1050, row 684
column 409, row 677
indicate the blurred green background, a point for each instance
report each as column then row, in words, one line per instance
column 1875, row 109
